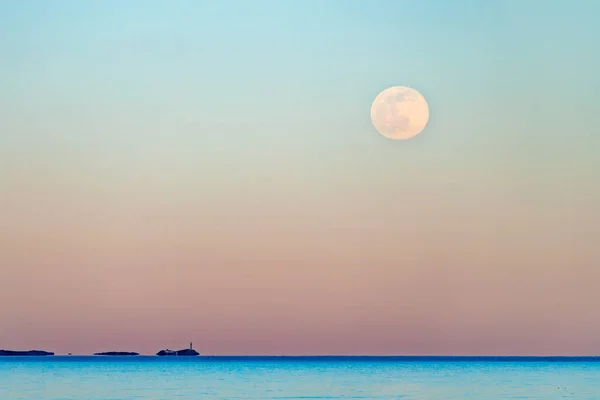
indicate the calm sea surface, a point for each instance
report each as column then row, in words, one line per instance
column 150, row 378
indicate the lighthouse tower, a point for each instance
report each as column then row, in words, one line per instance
column 191, row 346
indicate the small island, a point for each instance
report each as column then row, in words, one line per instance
column 117, row 353
column 25, row 353
column 184, row 352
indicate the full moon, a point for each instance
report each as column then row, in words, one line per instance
column 399, row 113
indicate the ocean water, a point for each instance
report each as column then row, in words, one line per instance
column 182, row 378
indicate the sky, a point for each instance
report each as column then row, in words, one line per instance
column 207, row 171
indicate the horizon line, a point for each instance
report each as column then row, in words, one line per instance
column 397, row 356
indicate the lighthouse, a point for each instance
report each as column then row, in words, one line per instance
column 191, row 346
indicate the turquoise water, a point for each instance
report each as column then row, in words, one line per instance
column 154, row 378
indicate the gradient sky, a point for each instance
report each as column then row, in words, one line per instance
column 206, row 171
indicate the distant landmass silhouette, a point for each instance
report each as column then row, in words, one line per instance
column 25, row 353
column 184, row 352
column 166, row 352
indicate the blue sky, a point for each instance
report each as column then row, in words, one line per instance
column 318, row 64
